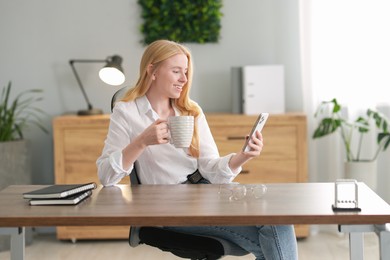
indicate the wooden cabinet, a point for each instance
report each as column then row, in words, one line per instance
column 79, row 140
column 284, row 156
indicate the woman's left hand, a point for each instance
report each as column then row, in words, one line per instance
column 255, row 145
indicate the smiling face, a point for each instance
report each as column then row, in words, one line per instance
column 170, row 77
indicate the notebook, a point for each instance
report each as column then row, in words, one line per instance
column 58, row 191
column 70, row 200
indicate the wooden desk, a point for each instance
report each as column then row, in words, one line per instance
column 171, row 205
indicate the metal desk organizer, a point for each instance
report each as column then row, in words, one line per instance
column 346, row 195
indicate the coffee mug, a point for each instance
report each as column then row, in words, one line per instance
column 181, row 129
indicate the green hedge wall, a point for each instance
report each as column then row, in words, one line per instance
column 181, row 20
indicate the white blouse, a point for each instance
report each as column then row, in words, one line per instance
column 158, row 164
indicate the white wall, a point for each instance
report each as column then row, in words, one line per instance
column 39, row 37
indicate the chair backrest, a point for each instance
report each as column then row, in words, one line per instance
column 117, row 95
column 134, row 180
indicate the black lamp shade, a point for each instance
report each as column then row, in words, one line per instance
column 112, row 73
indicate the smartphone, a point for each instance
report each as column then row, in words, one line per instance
column 259, row 124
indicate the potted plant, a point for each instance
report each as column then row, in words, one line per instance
column 19, row 114
column 15, row 117
column 332, row 120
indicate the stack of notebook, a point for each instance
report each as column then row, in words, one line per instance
column 62, row 194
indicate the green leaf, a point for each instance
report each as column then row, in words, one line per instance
column 362, row 124
column 385, row 137
column 336, row 105
column 327, row 126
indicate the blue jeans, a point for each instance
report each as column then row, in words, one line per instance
column 265, row 242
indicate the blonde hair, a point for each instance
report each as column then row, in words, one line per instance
column 156, row 53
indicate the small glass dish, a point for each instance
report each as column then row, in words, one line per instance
column 236, row 191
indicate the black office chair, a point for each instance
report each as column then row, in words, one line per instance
column 181, row 244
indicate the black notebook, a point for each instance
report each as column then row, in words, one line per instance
column 58, row 191
column 70, row 200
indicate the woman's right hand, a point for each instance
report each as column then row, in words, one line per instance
column 156, row 133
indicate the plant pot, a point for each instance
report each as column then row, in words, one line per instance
column 15, row 163
column 363, row 171
column 15, row 169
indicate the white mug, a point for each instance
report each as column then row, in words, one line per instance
column 181, row 129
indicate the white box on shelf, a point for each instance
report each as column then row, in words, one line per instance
column 263, row 89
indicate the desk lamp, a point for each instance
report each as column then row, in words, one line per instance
column 111, row 73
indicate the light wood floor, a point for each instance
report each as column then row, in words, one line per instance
column 323, row 246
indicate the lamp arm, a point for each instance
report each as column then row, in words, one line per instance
column 111, row 61
column 71, row 62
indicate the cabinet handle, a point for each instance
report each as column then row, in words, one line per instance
column 236, row 137
column 245, row 172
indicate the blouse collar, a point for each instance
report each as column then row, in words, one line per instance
column 145, row 107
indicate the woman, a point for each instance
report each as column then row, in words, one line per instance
column 138, row 137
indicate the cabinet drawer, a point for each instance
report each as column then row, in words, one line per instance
column 280, row 143
column 82, row 147
column 83, row 144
